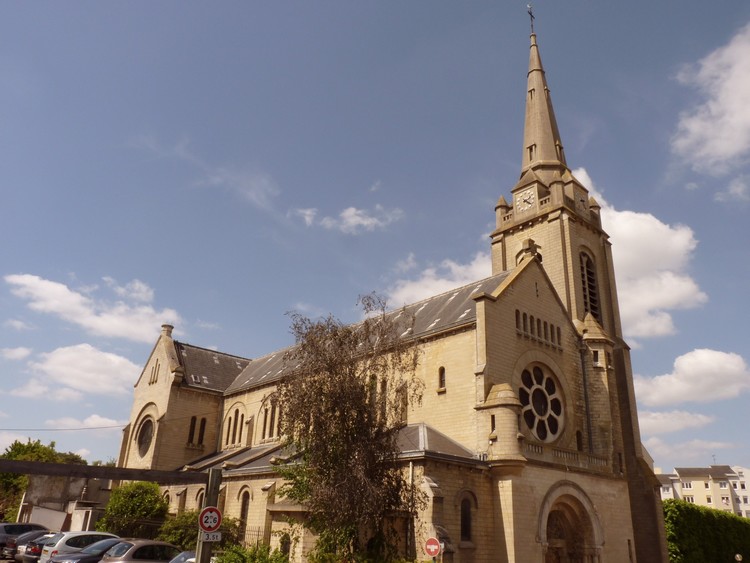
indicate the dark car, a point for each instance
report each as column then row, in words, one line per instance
column 34, row 548
column 14, row 529
column 141, row 551
column 15, row 544
column 89, row 554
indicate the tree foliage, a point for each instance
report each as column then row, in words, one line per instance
column 341, row 410
column 260, row 553
column 13, row 485
column 697, row 534
column 134, row 510
column 182, row 530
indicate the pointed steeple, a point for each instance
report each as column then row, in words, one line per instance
column 542, row 146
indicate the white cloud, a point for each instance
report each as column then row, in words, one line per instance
column 135, row 290
column 684, row 451
column 353, row 221
column 737, row 190
column 254, row 186
column 714, row 136
column 651, row 261
column 93, row 421
column 83, row 369
column 17, row 324
column 111, row 319
column 32, row 389
column 439, row 279
column 407, row 264
column 308, row 215
column 15, row 353
column 699, row 376
column 673, row 421
column 251, row 184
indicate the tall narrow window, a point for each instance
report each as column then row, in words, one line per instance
column 441, row 378
column 191, row 433
column 272, row 422
column 518, row 319
column 466, row 520
column 590, row 288
column 244, row 511
column 234, row 426
column 239, row 434
column 229, row 429
column 202, row 431
column 265, row 424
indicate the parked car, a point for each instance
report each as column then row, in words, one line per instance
column 141, row 551
column 14, row 529
column 34, row 548
column 18, row 544
column 184, row 557
column 70, row 542
column 89, row 554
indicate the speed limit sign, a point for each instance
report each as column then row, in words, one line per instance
column 209, row 519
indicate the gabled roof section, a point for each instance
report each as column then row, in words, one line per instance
column 447, row 311
column 208, row 369
column 417, row 440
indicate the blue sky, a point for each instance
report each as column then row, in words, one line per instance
column 216, row 165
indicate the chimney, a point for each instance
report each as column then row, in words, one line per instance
column 166, row 330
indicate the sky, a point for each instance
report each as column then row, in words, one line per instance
column 216, row 165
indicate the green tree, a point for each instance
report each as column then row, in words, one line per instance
column 260, row 553
column 135, row 509
column 182, row 530
column 343, row 405
column 13, row 485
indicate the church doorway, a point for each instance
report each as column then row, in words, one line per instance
column 570, row 528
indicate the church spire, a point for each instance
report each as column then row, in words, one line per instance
column 541, row 138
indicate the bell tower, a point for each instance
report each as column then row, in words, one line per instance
column 552, row 212
column 551, row 207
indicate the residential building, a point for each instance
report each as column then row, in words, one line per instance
column 717, row 486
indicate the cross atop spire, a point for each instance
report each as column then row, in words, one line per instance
column 530, row 10
column 542, row 146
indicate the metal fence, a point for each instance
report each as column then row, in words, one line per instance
column 253, row 536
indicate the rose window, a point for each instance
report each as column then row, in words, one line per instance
column 541, row 401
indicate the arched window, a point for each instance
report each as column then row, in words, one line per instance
column 265, row 423
column 285, row 544
column 242, row 422
column 200, row 499
column 546, row 331
column 533, row 324
column 229, row 429
column 272, row 423
column 191, row 433
column 202, row 431
column 234, row 427
column 539, row 328
column 518, row 319
column 466, row 519
column 244, row 510
column 441, row 378
column 590, row 287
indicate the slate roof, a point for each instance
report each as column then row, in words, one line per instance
column 414, row 440
column 449, row 310
column 713, row 471
column 208, row 369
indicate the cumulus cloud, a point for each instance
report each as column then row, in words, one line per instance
column 351, row 221
column 673, row 421
column 651, row 263
column 714, row 135
column 439, row 279
column 19, row 353
column 93, row 421
column 698, row 450
column 699, row 376
column 737, row 190
column 83, row 369
column 135, row 290
column 118, row 319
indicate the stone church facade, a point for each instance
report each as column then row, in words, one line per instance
column 526, row 443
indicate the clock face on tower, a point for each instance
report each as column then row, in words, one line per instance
column 525, row 200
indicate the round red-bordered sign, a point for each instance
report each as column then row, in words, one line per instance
column 432, row 547
column 209, row 519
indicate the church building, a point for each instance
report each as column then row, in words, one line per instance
column 526, row 443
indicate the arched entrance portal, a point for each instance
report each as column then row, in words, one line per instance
column 569, row 527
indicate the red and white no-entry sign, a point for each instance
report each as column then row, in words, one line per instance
column 209, row 519
column 432, row 547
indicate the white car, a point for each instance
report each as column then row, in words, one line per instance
column 70, row 542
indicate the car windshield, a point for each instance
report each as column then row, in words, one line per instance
column 100, row 547
column 119, row 549
column 184, row 556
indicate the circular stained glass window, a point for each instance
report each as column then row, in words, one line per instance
column 541, row 402
column 145, row 435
